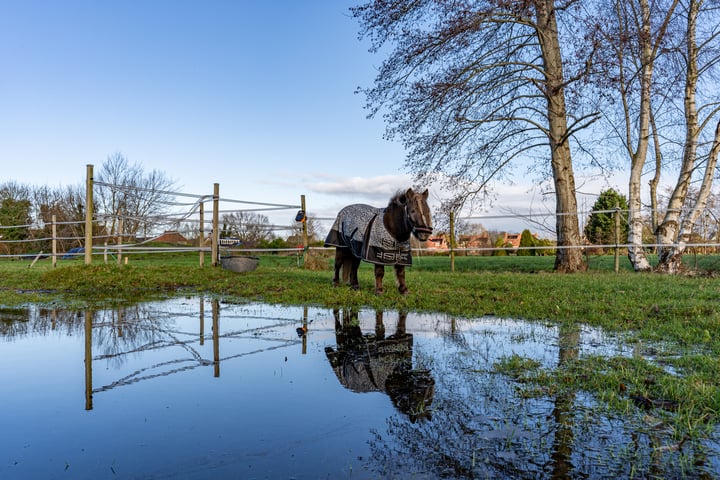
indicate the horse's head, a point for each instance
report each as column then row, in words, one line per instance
column 418, row 214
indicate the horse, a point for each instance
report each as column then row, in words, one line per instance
column 380, row 236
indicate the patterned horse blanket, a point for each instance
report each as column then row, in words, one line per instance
column 360, row 228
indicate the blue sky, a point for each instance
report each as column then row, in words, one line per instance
column 257, row 96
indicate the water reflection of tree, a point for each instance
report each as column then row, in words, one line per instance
column 485, row 425
column 16, row 323
column 120, row 332
column 561, row 457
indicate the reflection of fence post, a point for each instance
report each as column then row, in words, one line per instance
column 216, row 335
column 452, row 241
column 88, row 360
column 54, row 242
column 201, row 238
column 202, row 320
column 304, row 329
column 617, row 239
column 88, row 214
column 216, row 221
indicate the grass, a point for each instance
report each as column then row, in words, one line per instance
column 677, row 314
column 681, row 309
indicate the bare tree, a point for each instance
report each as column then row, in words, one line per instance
column 658, row 56
column 313, row 230
column 633, row 36
column 474, row 89
column 126, row 191
column 701, row 55
column 249, row 227
column 67, row 204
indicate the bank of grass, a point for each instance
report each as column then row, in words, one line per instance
column 678, row 315
column 680, row 308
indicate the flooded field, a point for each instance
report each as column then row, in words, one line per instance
column 197, row 388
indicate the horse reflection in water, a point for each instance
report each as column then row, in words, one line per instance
column 376, row 363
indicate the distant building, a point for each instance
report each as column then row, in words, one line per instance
column 476, row 244
column 514, row 240
column 437, row 242
column 473, row 243
column 479, row 244
column 171, row 236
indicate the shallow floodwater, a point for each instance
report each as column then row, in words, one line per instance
column 197, row 388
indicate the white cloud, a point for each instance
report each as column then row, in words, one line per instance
column 383, row 186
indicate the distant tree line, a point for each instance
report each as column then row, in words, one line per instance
column 129, row 203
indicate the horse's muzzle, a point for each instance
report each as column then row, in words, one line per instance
column 422, row 233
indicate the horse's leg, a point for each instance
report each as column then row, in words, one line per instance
column 355, row 264
column 379, row 274
column 400, row 275
column 339, row 259
column 347, row 266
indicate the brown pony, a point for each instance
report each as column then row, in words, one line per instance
column 380, row 236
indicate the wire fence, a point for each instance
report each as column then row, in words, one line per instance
column 38, row 240
column 147, row 221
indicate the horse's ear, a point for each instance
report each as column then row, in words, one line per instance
column 425, row 194
column 409, row 194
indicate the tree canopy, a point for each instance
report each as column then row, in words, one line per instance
column 475, row 89
column 600, row 228
column 478, row 91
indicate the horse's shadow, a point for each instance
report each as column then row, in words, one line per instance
column 375, row 363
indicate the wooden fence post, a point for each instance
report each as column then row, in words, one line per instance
column 452, row 241
column 119, row 240
column 304, row 229
column 216, row 221
column 617, row 239
column 88, row 214
column 54, row 241
column 201, row 237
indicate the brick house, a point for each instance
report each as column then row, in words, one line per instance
column 171, row 236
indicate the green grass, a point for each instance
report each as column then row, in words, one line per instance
column 679, row 315
column 680, row 309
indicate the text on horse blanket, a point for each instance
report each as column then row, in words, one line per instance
column 360, row 228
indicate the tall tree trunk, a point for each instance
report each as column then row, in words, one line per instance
column 670, row 255
column 671, row 261
column 636, row 252
column 569, row 256
column 655, row 181
column 648, row 53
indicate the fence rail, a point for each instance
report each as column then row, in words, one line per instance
column 102, row 233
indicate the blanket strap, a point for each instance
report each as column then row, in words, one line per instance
column 366, row 237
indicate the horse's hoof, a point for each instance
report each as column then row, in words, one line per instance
column 355, row 287
column 378, row 291
column 404, row 291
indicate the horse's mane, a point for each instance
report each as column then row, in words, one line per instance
column 398, row 199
